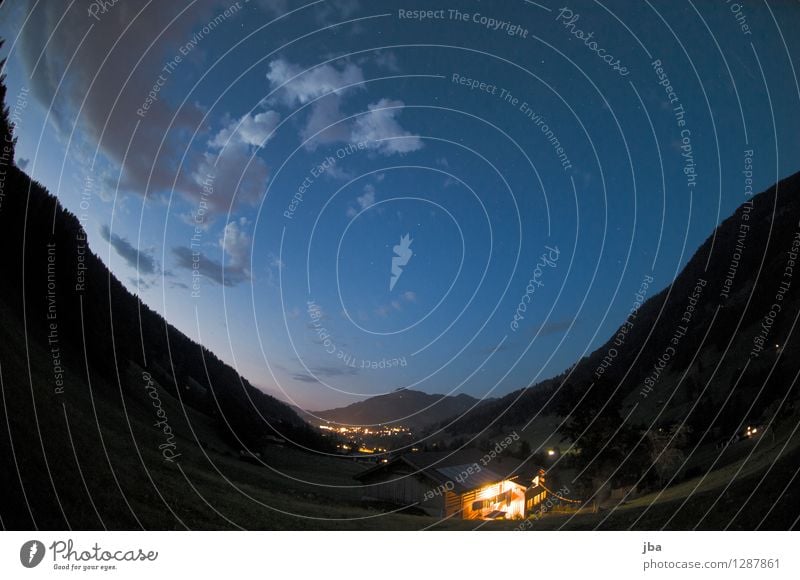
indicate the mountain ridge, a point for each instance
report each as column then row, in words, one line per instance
column 408, row 407
column 771, row 223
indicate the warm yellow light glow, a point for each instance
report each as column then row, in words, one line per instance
column 505, row 496
column 551, row 452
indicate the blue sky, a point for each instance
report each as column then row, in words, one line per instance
column 257, row 200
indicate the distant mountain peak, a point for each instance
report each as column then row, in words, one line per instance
column 402, row 406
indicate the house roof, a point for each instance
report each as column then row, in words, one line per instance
column 535, row 490
column 463, row 469
column 469, row 476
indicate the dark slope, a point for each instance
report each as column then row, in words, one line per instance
column 43, row 245
column 413, row 409
column 771, row 226
column 77, row 352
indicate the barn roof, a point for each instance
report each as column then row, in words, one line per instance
column 463, row 469
column 469, row 476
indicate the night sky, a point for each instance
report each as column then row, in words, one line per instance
column 345, row 198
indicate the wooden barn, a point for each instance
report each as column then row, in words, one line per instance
column 447, row 484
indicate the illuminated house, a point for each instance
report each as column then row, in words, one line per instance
column 446, row 484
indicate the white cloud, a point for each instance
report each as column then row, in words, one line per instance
column 382, row 132
column 276, row 262
column 238, row 176
column 236, row 243
column 231, row 165
column 368, row 197
column 336, row 10
column 324, row 83
column 337, row 172
column 298, row 87
column 363, row 201
column 384, row 310
column 387, row 60
column 253, row 130
column 378, row 127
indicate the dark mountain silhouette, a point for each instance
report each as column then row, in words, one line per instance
column 771, row 222
column 105, row 324
column 407, row 407
column 67, row 321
